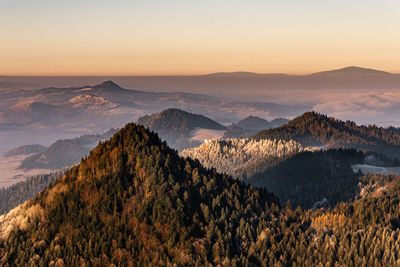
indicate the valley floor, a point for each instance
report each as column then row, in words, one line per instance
column 10, row 174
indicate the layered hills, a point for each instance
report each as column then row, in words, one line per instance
column 49, row 114
column 25, row 150
column 134, row 201
column 311, row 158
column 240, row 84
column 63, row 153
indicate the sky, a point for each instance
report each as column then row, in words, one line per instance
column 185, row 37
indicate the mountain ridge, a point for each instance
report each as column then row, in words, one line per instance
column 352, row 70
column 316, row 129
column 343, row 70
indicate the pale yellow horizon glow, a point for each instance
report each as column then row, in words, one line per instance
column 58, row 38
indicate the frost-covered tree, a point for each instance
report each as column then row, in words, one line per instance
column 243, row 157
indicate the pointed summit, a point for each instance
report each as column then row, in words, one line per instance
column 108, row 85
column 134, row 197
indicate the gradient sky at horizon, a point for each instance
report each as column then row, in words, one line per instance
column 100, row 37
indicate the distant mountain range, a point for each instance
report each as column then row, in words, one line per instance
column 45, row 115
column 73, row 108
column 352, row 70
column 351, row 77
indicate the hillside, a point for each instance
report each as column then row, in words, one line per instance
column 24, row 150
column 310, row 177
column 303, row 175
column 242, row 158
column 179, row 127
column 314, row 129
column 134, row 201
column 64, row 153
column 137, row 202
column 278, row 122
column 25, row 190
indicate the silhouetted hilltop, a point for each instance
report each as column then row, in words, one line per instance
column 108, row 85
column 254, row 123
column 177, row 127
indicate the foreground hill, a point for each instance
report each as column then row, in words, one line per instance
column 314, row 129
column 134, row 201
column 179, row 128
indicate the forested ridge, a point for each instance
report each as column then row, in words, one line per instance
column 312, row 128
column 303, row 175
column 133, row 202
column 242, row 158
column 25, row 190
column 312, row 176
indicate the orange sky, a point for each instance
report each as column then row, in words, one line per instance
column 46, row 37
